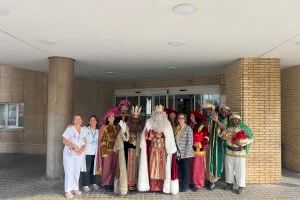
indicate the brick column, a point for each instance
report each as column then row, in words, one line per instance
column 253, row 89
column 290, row 105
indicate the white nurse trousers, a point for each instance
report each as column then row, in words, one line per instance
column 72, row 166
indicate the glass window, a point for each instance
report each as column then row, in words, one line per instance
column 160, row 100
column 134, row 100
column 146, row 104
column 170, row 101
column 21, row 115
column 118, row 99
column 2, row 115
column 11, row 115
column 184, row 103
column 198, row 101
column 211, row 98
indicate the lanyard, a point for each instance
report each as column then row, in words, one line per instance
column 94, row 136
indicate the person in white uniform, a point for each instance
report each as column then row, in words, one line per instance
column 92, row 132
column 74, row 139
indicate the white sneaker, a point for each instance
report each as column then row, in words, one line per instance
column 95, row 186
column 86, row 188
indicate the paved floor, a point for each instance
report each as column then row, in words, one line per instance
column 23, row 177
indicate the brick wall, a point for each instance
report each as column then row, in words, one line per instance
column 253, row 89
column 290, row 113
column 30, row 88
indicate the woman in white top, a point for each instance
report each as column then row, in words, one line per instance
column 73, row 155
column 92, row 132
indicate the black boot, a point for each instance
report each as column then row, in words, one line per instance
column 206, row 183
column 195, row 189
column 228, row 186
column 240, row 190
column 212, row 186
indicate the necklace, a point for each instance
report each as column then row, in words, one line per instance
column 179, row 131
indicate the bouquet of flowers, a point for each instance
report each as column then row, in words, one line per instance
column 240, row 138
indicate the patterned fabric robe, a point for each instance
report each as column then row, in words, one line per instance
column 215, row 151
column 147, row 168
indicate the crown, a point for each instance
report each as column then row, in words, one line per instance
column 159, row 108
column 136, row 110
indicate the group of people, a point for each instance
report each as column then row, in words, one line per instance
column 169, row 152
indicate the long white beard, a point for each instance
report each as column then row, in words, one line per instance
column 159, row 122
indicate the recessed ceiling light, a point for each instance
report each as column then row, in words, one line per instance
column 110, row 72
column 172, row 68
column 184, row 9
column 47, row 41
column 176, row 43
column 4, row 12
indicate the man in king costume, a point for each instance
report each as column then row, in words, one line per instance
column 127, row 146
column 158, row 168
column 238, row 137
column 123, row 108
column 216, row 122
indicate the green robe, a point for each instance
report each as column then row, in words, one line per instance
column 216, row 149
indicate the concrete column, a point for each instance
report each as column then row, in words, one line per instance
column 253, row 90
column 60, row 104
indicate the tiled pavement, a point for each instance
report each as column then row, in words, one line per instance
column 23, row 177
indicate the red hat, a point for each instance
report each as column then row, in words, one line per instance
column 199, row 115
column 169, row 111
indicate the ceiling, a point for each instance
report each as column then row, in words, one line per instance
column 130, row 37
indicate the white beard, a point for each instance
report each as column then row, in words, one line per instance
column 159, row 121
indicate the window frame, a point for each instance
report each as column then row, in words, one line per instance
column 6, row 115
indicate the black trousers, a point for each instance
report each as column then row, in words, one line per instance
column 184, row 173
column 87, row 177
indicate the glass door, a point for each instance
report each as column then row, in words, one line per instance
column 184, row 103
column 160, row 100
column 146, row 104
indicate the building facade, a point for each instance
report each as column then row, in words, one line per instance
column 266, row 96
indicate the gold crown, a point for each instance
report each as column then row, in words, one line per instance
column 136, row 110
column 159, row 108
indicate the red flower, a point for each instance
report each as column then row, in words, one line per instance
column 241, row 135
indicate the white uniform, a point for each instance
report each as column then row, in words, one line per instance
column 91, row 140
column 73, row 162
